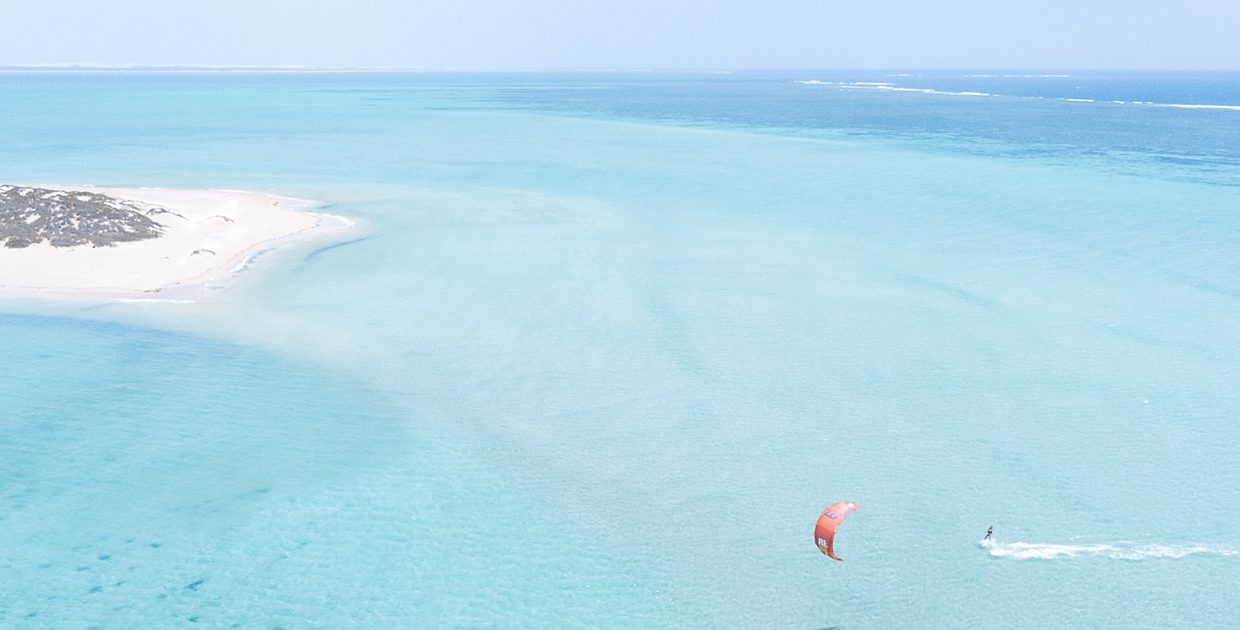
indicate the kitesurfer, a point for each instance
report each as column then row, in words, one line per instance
column 990, row 532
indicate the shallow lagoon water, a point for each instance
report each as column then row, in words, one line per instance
column 605, row 350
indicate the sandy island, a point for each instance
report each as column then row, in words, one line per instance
column 126, row 241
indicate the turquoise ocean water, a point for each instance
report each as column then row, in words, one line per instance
column 609, row 343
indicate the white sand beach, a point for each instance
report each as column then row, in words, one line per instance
column 206, row 235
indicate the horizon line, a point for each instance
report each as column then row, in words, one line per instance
column 304, row 68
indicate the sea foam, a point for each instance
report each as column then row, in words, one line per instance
column 1196, row 106
column 891, row 87
column 1117, row 551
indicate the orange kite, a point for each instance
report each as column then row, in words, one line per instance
column 828, row 521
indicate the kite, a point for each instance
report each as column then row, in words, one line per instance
column 828, row 521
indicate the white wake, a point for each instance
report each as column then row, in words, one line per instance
column 1119, row 551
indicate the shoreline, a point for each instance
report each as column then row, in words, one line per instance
column 207, row 235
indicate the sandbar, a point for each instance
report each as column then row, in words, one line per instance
column 199, row 236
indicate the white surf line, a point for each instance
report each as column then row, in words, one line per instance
column 1118, row 551
column 1234, row 108
column 880, row 86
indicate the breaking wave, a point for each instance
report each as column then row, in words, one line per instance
column 888, row 87
column 1196, row 106
column 891, row 87
column 1019, row 76
column 1119, row 551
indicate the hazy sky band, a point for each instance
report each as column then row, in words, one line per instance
column 628, row 34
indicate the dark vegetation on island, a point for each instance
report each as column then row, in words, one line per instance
column 69, row 218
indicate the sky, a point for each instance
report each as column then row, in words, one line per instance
column 627, row 34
